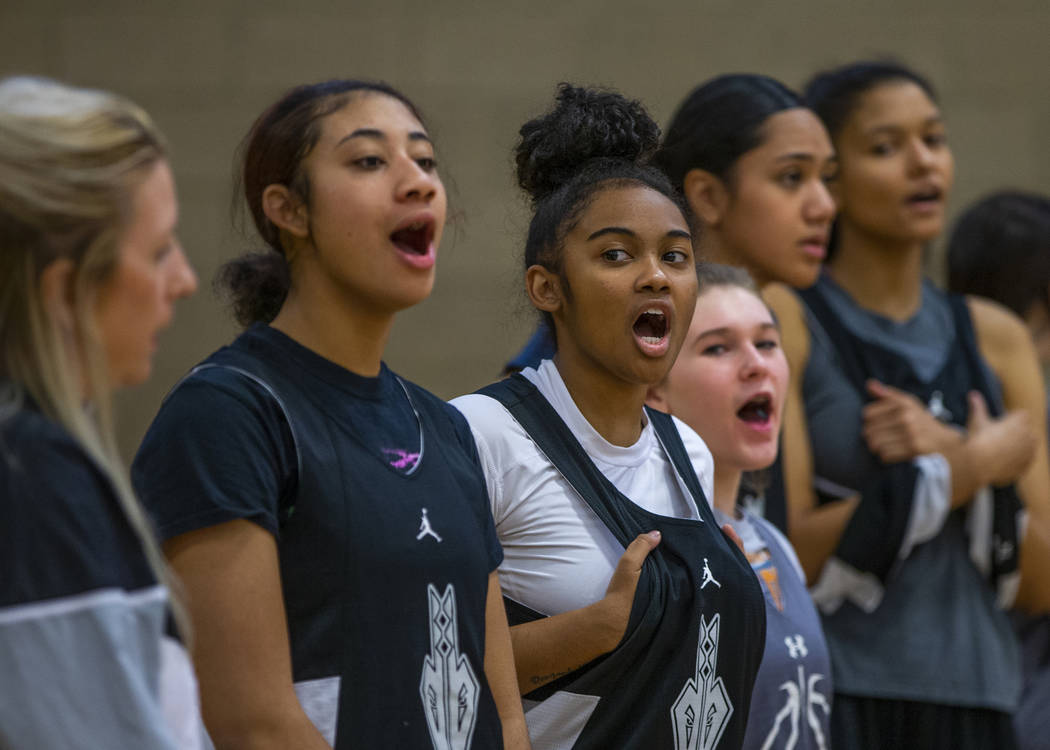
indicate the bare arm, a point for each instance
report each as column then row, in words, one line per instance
column 1006, row 346
column 499, row 670
column 899, row 427
column 241, row 653
column 547, row 649
column 814, row 531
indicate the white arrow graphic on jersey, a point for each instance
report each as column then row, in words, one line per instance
column 702, row 711
column 448, row 686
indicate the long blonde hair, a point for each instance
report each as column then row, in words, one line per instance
column 70, row 160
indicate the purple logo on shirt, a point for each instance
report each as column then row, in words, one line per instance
column 401, row 459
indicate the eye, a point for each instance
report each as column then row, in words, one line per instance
column 884, row 148
column 675, row 256
column 830, row 176
column 767, row 344
column 369, row 162
column 935, row 140
column 163, row 251
column 427, row 163
column 790, row 178
column 713, row 350
column 615, row 254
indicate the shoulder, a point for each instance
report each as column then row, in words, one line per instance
column 63, row 529
column 790, row 313
column 39, row 453
column 488, row 418
column 221, row 447
column 1000, row 333
column 699, row 456
column 443, row 410
column 694, row 444
column 220, row 401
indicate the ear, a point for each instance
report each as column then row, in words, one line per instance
column 656, row 397
column 56, row 292
column 707, row 195
column 544, row 288
column 286, row 211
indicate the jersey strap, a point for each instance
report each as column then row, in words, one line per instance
column 875, row 532
column 533, row 412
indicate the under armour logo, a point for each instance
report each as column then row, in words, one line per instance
column 708, row 578
column 425, row 529
column 937, row 407
column 796, row 646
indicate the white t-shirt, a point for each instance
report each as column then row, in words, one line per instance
column 558, row 555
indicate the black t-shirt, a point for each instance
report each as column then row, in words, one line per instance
column 82, row 615
column 373, row 489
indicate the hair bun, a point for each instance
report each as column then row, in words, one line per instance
column 585, row 124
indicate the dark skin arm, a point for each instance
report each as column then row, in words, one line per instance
column 551, row 647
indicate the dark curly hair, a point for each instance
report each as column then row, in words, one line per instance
column 592, row 140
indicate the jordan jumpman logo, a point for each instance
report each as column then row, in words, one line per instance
column 425, row 529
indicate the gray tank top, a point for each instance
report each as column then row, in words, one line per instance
column 937, row 636
column 791, row 700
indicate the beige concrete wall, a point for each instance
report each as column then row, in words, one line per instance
column 205, row 68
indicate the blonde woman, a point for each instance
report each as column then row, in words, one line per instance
column 89, row 270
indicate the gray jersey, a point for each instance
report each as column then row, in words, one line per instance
column 937, row 635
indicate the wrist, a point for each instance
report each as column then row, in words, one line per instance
column 608, row 623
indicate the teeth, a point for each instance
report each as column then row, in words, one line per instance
column 651, row 340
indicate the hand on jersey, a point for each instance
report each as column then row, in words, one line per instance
column 619, row 595
column 1003, row 447
column 899, row 427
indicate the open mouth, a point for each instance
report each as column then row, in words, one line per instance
column 926, row 195
column 651, row 327
column 414, row 238
column 758, row 410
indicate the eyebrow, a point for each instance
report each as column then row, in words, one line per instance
column 415, row 135
column 631, row 233
column 806, row 157
column 935, row 120
column 797, row 156
column 724, row 330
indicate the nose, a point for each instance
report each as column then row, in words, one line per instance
column 417, row 183
column 819, row 206
column 754, row 364
column 182, row 278
column 922, row 156
column 653, row 275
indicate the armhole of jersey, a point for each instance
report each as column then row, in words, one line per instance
column 269, row 390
